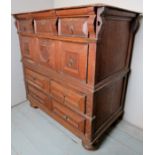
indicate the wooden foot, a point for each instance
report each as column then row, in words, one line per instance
column 34, row 106
column 90, row 146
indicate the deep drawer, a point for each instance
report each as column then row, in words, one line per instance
column 69, row 116
column 38, row 97
column 37, row 80
column 68, row 97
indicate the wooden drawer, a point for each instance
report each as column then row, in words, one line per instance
column 37, row 80
column 27, row 45
column 77, row 27
column 69, row 116
column 36, row 96
column 47, row 26
column 68, row 97
column 25, row 26
column 74, row 59
column 46, row 52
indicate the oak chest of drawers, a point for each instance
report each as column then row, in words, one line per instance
column 76, row 64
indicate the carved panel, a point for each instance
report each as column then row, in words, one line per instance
column 46, row 52
column 25, row 26
column 26, row 47
column 74, row 59
column 73, row 27
column 46, row 26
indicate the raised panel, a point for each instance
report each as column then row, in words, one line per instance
column 46, row 52
column 74, row 59
column 37, row 96
column 73, row 27
column 28, row 45
column 68, row 97
column 57, row 91
column 25, row 26
column 75, row 100
column 112, row 47
column 69, row 116
column 37, row 80
column 46, row 26
column 107, row 102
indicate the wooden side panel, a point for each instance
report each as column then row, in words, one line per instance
column 107, row 102
column 113, row 43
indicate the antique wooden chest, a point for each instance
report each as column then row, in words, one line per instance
column 76, row 64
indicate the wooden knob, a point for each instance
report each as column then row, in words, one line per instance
column 65, row 117
column 72, row 29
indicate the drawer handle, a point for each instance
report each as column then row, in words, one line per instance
column 65, row 117
column 27, row 51
column 34, row 78
column 72, row 29
column 24, row 29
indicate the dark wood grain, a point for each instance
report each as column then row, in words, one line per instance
column 76, row 64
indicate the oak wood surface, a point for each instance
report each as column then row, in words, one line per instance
column 76, row 63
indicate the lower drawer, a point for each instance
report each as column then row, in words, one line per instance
column 69, row 116
column 37, row 97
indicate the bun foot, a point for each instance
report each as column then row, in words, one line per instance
column 90, row 146
column 33, row 106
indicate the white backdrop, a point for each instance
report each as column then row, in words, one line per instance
column 134, row 102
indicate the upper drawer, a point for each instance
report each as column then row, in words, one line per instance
column 77, row 27
column 25, row 26
column 47, row 26
column 27, row 45
column 37, row 80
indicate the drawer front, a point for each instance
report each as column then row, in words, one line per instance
column 74, row 59
column 68, row 97
column 26, row 26
column 46, row 52
column 69, row 116
column 77, row 27
column 47, row 26
column 37, row 80
column 75, row 100
column 57, row 91
column 35, row 95
column 27, row 47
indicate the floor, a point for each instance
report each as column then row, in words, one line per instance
column 35, row 133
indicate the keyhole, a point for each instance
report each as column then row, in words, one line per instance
column 98, row 23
